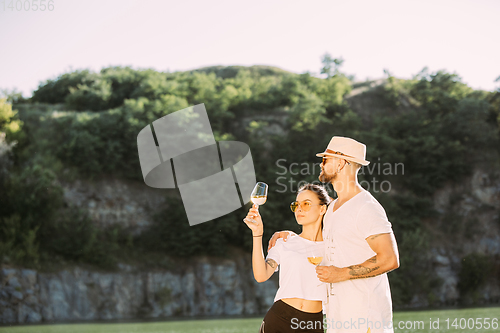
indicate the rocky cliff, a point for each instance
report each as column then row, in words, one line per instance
column 472, row 208
column 200, row 288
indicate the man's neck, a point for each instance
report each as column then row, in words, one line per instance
column 348, row 191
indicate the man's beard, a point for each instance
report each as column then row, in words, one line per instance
column 325, row 178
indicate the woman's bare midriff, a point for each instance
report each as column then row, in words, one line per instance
column 304, row 304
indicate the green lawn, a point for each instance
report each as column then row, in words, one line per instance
column 413, row 320
column 463, row 316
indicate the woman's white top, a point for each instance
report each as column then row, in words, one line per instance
column 298, row 278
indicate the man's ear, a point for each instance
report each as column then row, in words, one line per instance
column 345, row 165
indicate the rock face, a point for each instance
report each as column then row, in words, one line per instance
column 475, row 208
column 202, row 288
column 111, row 201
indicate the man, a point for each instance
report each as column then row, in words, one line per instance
column 360, row 247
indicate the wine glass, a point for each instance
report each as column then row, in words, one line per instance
column 258, row 196
column 259, row 193
column 315, row 256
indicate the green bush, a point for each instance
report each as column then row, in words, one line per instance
column 33, row 197
column 172, row 234
column 17, row 245
column 33, row 221
column 72, row 236
column 474, row 271
column 415, row 275
column 56, row 90
column 9, row 122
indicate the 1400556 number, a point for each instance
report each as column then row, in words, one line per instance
column 28, row 5
column 472, row 323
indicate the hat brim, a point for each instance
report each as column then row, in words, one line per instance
column 349, row 158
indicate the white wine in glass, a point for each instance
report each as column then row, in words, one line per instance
column 259, row 200
column 315, row 257
column 259, row 195
column 315, row 260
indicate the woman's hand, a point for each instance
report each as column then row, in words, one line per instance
column 257, row 227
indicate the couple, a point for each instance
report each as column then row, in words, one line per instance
column 358, row 247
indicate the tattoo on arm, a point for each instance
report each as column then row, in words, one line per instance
column 362, row 277
column 271, row 263
column 361, row 272
column 358, row 270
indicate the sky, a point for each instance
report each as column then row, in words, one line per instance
column 403, row 37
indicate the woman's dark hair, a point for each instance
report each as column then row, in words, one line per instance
column 321, row 192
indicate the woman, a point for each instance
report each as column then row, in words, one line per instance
column 298, row 303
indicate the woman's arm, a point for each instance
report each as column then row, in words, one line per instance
column 262, row 269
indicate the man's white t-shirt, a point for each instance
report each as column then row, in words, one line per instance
column 355, row 305
column 297, row 278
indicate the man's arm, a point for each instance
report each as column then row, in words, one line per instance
column 385, row 260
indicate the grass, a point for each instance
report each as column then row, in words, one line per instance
column 409, row 321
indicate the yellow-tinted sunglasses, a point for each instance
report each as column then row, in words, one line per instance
column 305, row 205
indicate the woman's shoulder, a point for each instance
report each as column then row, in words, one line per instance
column 291, row 239
column 299, row 238
column 279, row 243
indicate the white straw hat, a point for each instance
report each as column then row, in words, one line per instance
column 346, row 148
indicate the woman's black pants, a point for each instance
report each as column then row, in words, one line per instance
column 283, row 318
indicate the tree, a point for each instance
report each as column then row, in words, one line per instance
column 8, row 121
column 13, row 96
column 331, row 65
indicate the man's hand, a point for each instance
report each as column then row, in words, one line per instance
column 277, row 235
column 385, row 260
column 331, row 274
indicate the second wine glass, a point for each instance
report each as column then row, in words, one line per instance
column 315, row 255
